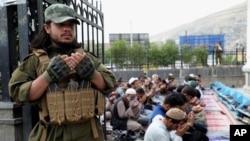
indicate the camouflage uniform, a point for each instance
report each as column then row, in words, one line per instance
column 19, row 86
column 78, row 129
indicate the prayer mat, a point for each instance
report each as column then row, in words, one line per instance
column 218, row 117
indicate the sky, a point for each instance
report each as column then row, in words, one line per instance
column 156, row 16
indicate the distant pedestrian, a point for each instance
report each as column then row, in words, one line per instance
column 218, row 53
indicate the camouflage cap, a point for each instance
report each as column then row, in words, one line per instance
column 59, row 13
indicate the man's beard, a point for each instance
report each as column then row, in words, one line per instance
column 65, row 45
column 65, row 48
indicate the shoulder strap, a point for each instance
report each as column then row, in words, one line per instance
column 43, row 58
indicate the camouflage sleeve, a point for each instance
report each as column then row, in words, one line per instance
column 108, row 76
column 22, row 78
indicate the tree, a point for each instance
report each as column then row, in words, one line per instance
column 201, row 55
column 168, row 53
column 186, row 54
column 116, row 53
column 136, row 55
column 153, row 54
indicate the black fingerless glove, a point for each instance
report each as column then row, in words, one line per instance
column 86, row 68
column 56, row 70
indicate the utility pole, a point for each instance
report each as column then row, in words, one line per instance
column 131, row 34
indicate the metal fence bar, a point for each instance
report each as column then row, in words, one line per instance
column 5, row 51
column 229, row 58
column 26, row 29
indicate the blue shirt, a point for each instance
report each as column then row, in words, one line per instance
column 158, row 110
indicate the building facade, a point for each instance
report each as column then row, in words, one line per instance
column 130, row 38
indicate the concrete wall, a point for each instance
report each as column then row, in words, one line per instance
column 230, row 76
column 11, row 126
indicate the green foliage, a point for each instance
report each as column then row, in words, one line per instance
column 186, row 54
column 168, row 53
column 229, row 60
column 116, row 53
column 153, row 54
column 136, row 54
column 201, row 54
column 122, row 55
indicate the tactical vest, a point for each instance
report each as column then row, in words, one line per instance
column 71, row 105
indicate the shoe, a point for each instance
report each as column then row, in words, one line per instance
column 127, row 138
column 141, row 134
column 132, row 134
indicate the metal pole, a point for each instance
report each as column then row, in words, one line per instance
column 131, row 34
column 4, row 53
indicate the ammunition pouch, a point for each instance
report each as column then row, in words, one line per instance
column 71, row 107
